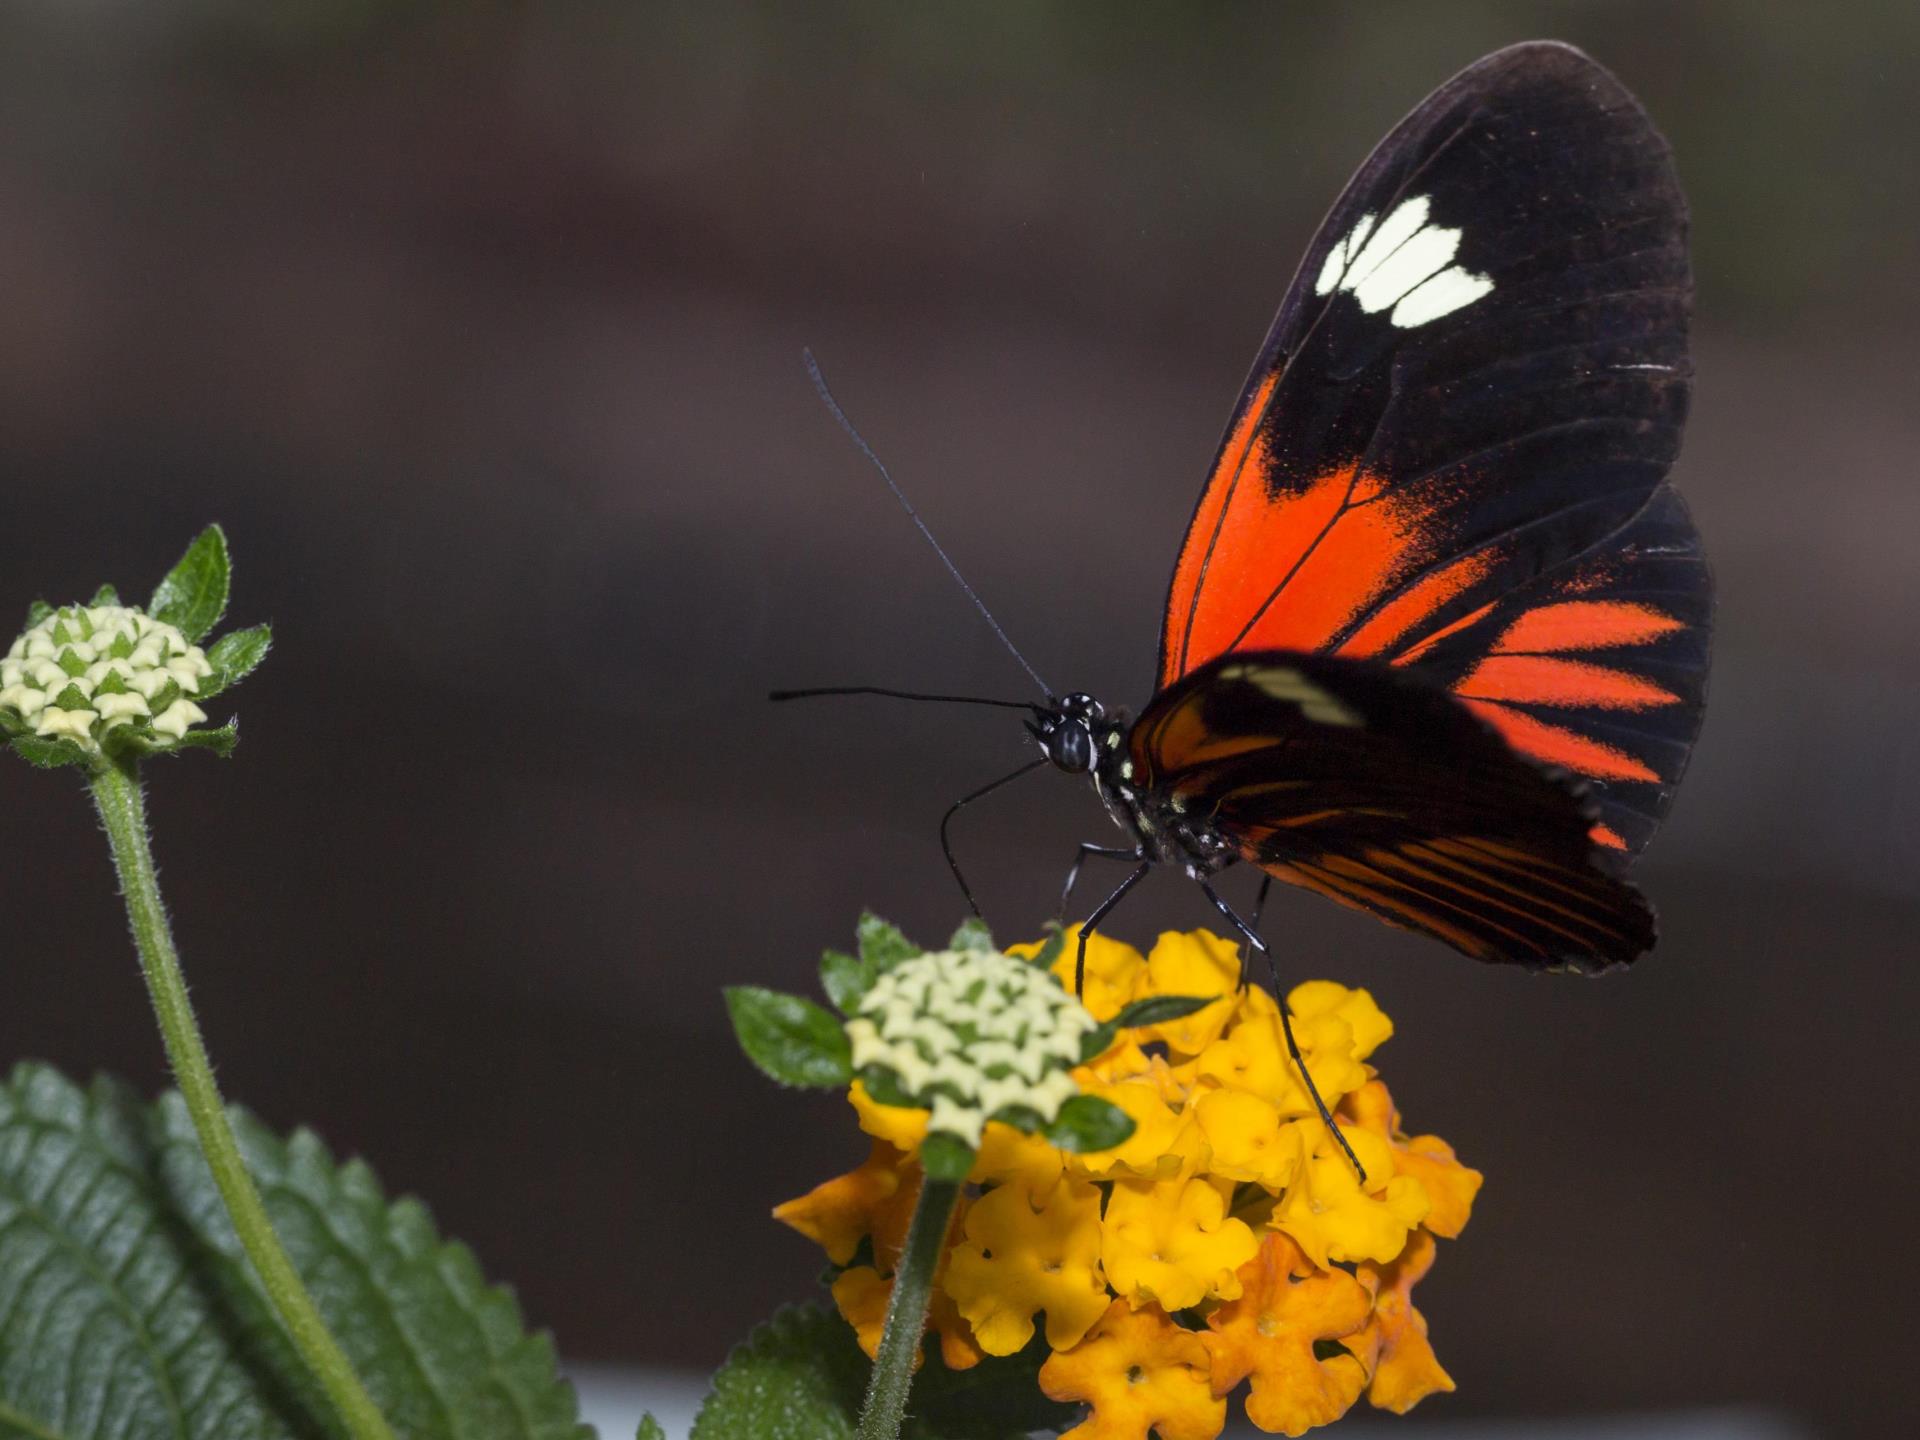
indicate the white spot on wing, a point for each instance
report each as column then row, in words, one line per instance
column 1452, row 289
column 1401, row 272
column 1341, row 255
column 1404, row 263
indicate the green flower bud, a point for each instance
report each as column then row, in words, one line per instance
column 972, row 1035
column 84, row 671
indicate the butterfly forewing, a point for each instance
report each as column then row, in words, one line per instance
column 1449, row 457
column 1369, row 785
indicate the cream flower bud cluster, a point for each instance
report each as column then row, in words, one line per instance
column 118, row 660
column 968, row 1032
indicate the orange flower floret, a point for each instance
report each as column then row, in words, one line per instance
column 1450, row 1186
column 1268, row 1334
column 1395, row 1344
column 1140, row 1372
column 842, row 1212
column 862, row 1293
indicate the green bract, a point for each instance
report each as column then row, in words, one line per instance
column 84, row 684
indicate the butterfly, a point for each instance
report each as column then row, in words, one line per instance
column 1436, row 641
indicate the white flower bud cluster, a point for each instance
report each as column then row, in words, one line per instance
column 117, row 661
column 970, row 1031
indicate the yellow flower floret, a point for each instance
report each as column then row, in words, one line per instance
column 1023, row 1254
column 1174, row 1243
column 1227, row 1246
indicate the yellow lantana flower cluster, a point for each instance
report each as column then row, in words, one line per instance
column 1227, row 1241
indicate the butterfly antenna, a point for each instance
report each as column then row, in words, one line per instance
column 833, row 408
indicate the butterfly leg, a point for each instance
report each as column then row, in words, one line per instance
column 946, row 841
column 1093, row 923
column 1252, row 937
column 1259, row 908
column 1106, row 852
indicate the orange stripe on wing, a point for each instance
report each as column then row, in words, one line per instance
column 1356, row 897
column 1559, row 746
column 1442, row 633
column 1200, row 552
column 1542, row 680
column 1585, row 625
column 1608, row 836
column 1402, row 613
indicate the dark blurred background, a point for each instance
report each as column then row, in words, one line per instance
column 479, row 329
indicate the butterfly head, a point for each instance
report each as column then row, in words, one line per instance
column 1069, row 733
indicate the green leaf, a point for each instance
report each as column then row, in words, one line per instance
column 972, row 935
column 105, row 595
column 234, row 656
column 36, row 612
column 946, row 1157
column 792, row 1040
column 801, row 1376
column 1087, row 1123
column 1154, row 1010
column 846, row 978
column 1049, row 953
column 128, row 1309
column 194, row 594
column 48, row 754
column 1159, row 1009
column 881, row 945
column 220, row 741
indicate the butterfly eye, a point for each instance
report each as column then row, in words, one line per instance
column 1070, row 747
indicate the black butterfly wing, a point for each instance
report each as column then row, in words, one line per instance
column 1451, row 452
column 1386, row 793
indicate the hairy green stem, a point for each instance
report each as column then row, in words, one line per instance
column 886, row 1404
column 116, row 791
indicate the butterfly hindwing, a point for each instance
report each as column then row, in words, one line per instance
column 1465, row 411
column 1369, row 785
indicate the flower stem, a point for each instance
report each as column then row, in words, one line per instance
column 886, row 1404
column 116, row 791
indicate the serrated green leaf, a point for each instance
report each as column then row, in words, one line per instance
column 221, row 741
column 194, row 594
column 127, row 1307
column 846, row 978
column 36, row 612
column 11, row 724
column 791, row 1040
column 882, row 945
column 48, row 754
column 946, row 1157
column 972, row 935
column 801, row 1376
column 1159, row 1009
column 105, row 595
column 235, row 656
column 1086, row 1124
